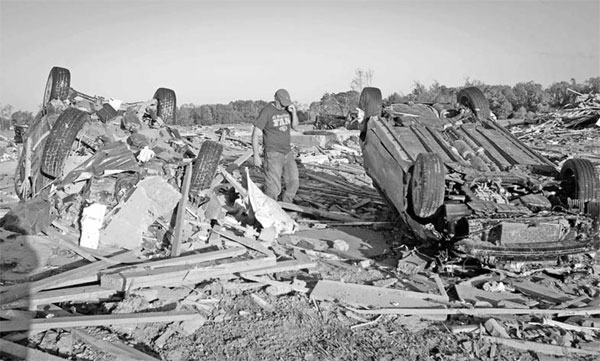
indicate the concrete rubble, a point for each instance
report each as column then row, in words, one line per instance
column 105, row 264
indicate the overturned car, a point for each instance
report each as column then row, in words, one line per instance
column 458, row 177
column 83, row 149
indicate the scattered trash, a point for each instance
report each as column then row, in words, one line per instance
column 151, row 234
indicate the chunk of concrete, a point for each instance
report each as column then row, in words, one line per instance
column 153, row 197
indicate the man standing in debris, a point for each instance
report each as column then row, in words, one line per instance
column 275, row 121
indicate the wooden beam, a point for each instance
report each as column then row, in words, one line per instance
column 178, row 233
column 318, row 212
column 26, row 353
column 282, row 266
column 587, row 311
column 114, row 347
column 78, row 294
column 237, row 185
column 49, row 311
column 179, row 275
column 191, row 259
column 372, row 296
column 474, row 295
column 79, row 275
column 61, row 233
column 539, row 291
column 539, row 347
column 244, row 241
column 238, row 162
column 265, row 280
column 40, row 324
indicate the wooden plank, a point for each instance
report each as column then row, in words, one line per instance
column 539, row 291
column 178, row 233
column 281, row 285
column 79, row 275
column 191, row 259
column 75, row 295
column 337, row 168
column 318, row 212
column 475, row 295
column 179, row 275
column 581, row 299
column 69, row 244
column 539, row 347
column 238, row 162
column 587, row 311
column 244, row 241
column 114, row 347
column 283, row 266
column 372, row 296
column 345, row 185
column 231, row 179
column 40, row 324
column 26, row 353
column 490, row 150
column 49, row 311
column 440, row 285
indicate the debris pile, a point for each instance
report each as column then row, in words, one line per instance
column 332, row 121
column 571, row 132
column 583, row 112
column 140, row 240
column 158, row 295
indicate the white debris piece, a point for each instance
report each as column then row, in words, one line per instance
column 91, row 221
column 115, row 103
column 268, row 212
column 145, row 155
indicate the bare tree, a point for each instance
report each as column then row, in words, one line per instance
column 362, row 78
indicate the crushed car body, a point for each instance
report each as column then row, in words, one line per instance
column 81, row 150
column 457, row 176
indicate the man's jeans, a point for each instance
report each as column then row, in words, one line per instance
column 278, row 165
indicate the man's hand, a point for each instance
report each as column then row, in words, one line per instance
column 258, row 161
column 291, row 108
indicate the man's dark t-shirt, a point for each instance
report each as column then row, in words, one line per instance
column 275, row 124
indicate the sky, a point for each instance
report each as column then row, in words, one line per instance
column 218, row 51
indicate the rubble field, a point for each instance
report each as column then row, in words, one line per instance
column 159, row 245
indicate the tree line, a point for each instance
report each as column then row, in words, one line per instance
column 523, row 100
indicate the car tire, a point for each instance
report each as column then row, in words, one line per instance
column 371, row 102
column 58, row 85
column 167, row 105
column 60, row 140
column 474, row 99
column 580, row 180
column 427, row 185
column 205, row 166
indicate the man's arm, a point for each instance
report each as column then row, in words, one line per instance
column 256, row 147
column 292, row 110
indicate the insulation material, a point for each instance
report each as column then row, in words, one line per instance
column 268, row 212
